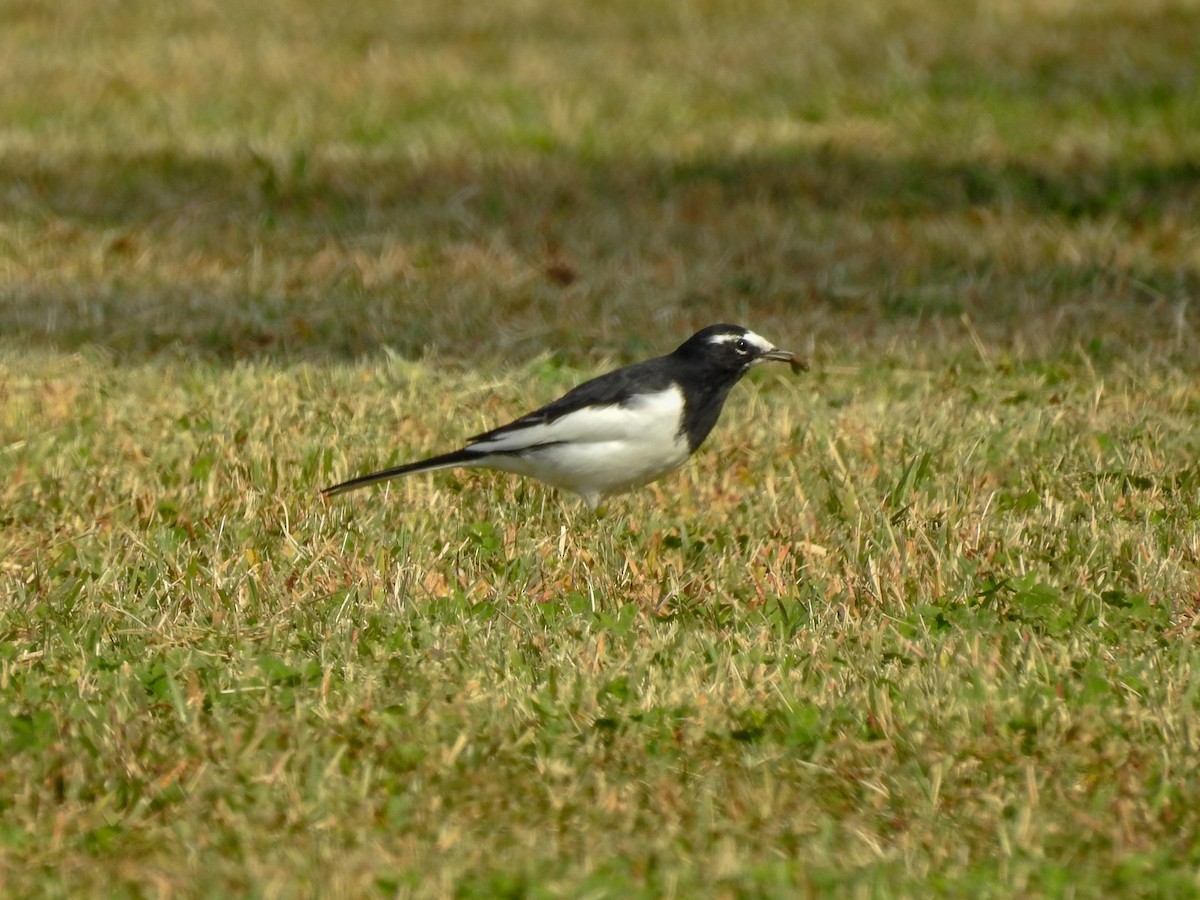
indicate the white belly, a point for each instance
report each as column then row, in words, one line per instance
column 604, row 467
column 594, row 452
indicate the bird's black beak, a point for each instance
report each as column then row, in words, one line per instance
column 797, row 362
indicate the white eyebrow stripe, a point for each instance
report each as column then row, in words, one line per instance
column 757, row 339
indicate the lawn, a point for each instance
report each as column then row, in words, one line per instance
column 920, row 622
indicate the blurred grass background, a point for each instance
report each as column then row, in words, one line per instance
column 297, row 179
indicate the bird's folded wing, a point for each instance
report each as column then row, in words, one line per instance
column 629, row 418
column 611, row 389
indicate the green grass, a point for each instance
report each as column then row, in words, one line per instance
column 921, row 622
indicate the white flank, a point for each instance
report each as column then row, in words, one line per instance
column 597, row 450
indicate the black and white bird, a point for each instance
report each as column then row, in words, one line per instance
column 619, row 431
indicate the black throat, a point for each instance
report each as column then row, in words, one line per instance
column 703, row 399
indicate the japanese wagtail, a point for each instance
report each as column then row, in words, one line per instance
column 619, row 431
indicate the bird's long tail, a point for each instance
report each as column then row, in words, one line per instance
column 464, row 457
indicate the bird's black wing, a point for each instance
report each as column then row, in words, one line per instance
column 611, row 389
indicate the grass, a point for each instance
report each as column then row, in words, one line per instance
column 921, row 622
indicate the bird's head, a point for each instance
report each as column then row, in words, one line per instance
column 734, row 349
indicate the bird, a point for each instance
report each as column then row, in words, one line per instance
column 618, row 431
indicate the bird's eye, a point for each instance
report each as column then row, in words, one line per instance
column 742, row 346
